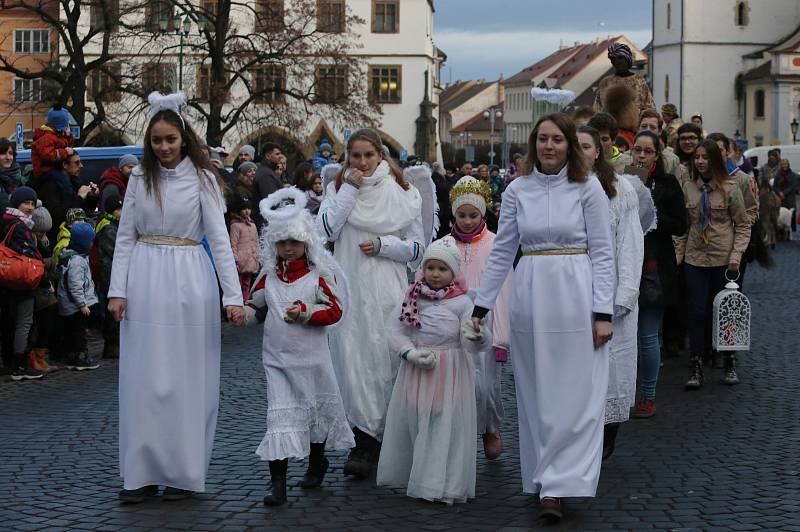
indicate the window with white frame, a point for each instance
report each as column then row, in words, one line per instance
column 28, row 90
column 31, row 41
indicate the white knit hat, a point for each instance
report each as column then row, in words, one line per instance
column 470, row 191
column 445, row 250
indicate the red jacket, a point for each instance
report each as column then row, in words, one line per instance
column 112, row 176
column 48, row 149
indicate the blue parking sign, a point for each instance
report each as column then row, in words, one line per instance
column 20, row 135
column 346, row 134
column 403, row 155
column 76, row 131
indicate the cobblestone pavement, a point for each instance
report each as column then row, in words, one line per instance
column 722, row 458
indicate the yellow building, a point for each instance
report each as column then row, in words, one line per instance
column 28, row 43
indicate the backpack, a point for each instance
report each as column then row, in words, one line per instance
column 18, row 271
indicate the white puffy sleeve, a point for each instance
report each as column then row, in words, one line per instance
column 335, row 209
column 409, row 248
column 399, row 334
column 597, row 217
column 213, row 218
column 126, row 239
column 629, row 248
column 504, row 250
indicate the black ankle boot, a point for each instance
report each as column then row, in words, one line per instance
column 317, row 467
column 277, row 470
column 609, row 439
column 695, row 382
column 361, row 458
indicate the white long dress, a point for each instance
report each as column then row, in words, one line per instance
column 359, row 348
column 628, row 239
column 303, row 401
column 429, row 444
column 561, row 379
column 170, row 336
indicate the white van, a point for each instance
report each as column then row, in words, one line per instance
column 758, row 156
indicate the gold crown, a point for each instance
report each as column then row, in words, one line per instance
column 470, row 185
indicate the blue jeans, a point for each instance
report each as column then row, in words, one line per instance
column 702, row 285
column 649, row 348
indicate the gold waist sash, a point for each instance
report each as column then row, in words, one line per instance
column 168, row 240
column 561, row 251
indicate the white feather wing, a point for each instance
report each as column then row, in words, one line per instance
column 420, row 177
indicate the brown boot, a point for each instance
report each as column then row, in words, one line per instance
column 35, row 363
column 41, row 354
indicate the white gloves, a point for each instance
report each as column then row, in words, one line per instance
column 250, row 317
column 422, row 358
column 479, row 337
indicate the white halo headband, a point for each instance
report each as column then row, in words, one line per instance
column 166, row 102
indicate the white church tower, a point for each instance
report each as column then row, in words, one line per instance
column 699, row 51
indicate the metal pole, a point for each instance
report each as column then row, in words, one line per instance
column 180, row 61
column 491, row 138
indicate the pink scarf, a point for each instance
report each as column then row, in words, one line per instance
column 467, row 237
column 410, row 312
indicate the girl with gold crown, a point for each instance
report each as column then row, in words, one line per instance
column 469, row 199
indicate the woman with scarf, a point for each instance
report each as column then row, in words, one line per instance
column 10, row 174
column 374, row 219
column 561, row 310
column 718, row 233
column 659, row 283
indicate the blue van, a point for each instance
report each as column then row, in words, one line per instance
column 95, row 160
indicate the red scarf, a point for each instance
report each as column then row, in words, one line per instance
column 410, row 311
column 468, row 237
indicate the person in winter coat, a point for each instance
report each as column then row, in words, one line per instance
column 55, row 189
column 43, row 336
column 16, row 304
column 245, row 245
column 786, row 186
column 10, row 174
column 75, row 293
column 105, row 242
column 322, row 157
column 64, row 232
column 114, row 181
column 267, row 180
column 606, row 125
column 52, row 142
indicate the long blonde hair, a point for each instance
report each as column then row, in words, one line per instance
column 371, row 136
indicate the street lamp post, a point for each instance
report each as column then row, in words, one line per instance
column 182, row 28
column 793, row 125
column 492, row 114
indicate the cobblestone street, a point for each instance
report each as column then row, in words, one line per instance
column 722, row 458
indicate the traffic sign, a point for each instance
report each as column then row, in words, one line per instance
column 76, row 131
column 20, row 135
column 403, row 155
column 346, row 134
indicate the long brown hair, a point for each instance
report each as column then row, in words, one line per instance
column 371, row 136
column 716, row 164
column 577, row 170
column 601, row 167
column 192, row 148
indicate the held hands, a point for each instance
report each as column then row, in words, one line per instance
column 235, row 314
column 422, row 358
column 476, row 330
column 602, row 332
column 116, row 306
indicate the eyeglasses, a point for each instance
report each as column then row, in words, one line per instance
column 646, row 151
column 688, row 138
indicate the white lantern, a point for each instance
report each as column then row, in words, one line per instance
column 731, row 319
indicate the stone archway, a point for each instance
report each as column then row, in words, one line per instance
column 295, row 150
column 324, row 132
column 105, row 136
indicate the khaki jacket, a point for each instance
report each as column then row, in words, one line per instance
column 728, row 232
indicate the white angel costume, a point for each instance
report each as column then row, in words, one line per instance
column 564, row 278
column 379, row 210
column 628, row 239
column 304, row 405
column 429, row 445
column 170, row 335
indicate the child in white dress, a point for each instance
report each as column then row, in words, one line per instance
column 429, row 442
column 303, row 292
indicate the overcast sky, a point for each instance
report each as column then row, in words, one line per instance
column 486, row 38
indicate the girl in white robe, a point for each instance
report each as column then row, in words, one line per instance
column 164, row 286
column 429, row 442
column 303, row 292
column 374, row 220
column 561, row 312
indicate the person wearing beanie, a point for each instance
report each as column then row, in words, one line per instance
column 52, row 142
column 469, row 199
column 101, row 259
column 247, row 153
column 429, row 442
column 114, row 181
column 63, row 236
column 76, row 294
column 43, row 334
column 322, row 157
column 17, row 302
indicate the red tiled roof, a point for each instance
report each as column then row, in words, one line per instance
column 462, row 96
column 481, row 123
column 585, row 54
column 529, row 73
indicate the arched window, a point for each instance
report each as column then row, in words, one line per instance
column 669, row 15
column 759, row 104
column 742, row 13
column 666, row 88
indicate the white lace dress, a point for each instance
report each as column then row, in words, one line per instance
column 628, row 240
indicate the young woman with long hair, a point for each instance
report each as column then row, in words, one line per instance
column 561, row 312
column 164, row 290
column 374, row 218
column 628, row 240
column 711, row 250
